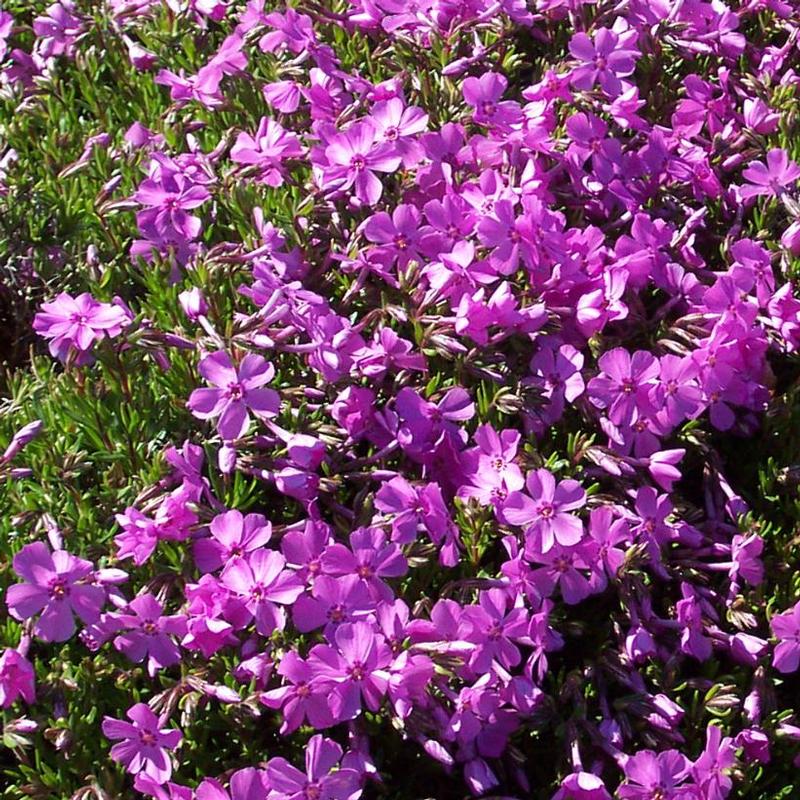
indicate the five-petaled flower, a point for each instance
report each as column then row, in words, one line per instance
column 143, row 744
column 236, row 391
column 56, row 584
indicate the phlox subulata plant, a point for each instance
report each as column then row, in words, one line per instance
column 414, row 405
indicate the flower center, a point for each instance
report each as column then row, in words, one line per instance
column 358, row 162
column 628, row 386
column 303, row 689
column 58, row 589
column 488, row 108
column 600, row 63
column 400, row 242
column 313, row 791
column 149, row 627
column 364, row 571
column 546, row 511
column 337, row 613
column 495, row 632
column 391, row 133
column 147, row 738
column 235, row 391
column 356, row 671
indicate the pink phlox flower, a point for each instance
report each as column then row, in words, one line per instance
column 323, row 777
column 236, row 390
column 267, row 150
column 17, row 678
column 301, row 697
column 262, row 585
column 143, row 744
column 353, row 157
column 786, row 629
column 233, row 535
column 771, row 179
column 74, row 324
column 544, row 511
column 606, row 59
column 484, row 94
column 369, row 557
column 147, row 633
column 57, row 585
column 355, row 669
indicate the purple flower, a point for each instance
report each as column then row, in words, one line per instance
column 558, row 373
column 267, row 150
column 76, row 323
column 147, row 634
column 55, row 585
column 17, row 678
column 322, row 780
column 58, row 30
column 193, row 303
column 771, row 178
column 689, row 613
column 245, row 784
column 484, row 94
column 710, row 771
column 302, row 698
column 331, row 602
column 355, row 669
column 21, row 439
column 233, row 536
column 166, row 200
column 544, row 510
column 786, row 628
column 237, row 391
column 649, row 774
column 400, row 125
column 172, row 521
column 354, row 157
column 562, row 568
column 369, row 557
column 144, row 745
column 624, row 384
column 491, row 469
column 262, row 584
column 604, row 60
column 494, row 626
column 677, row 390
column 398, row 235
column 608, row 532
column 582, row 786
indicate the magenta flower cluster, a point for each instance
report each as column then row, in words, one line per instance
column 549, row 247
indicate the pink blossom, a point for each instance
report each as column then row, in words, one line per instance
column 144, row 744
column 58, row 585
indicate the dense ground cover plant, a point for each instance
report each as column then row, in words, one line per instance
column 401, row 399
